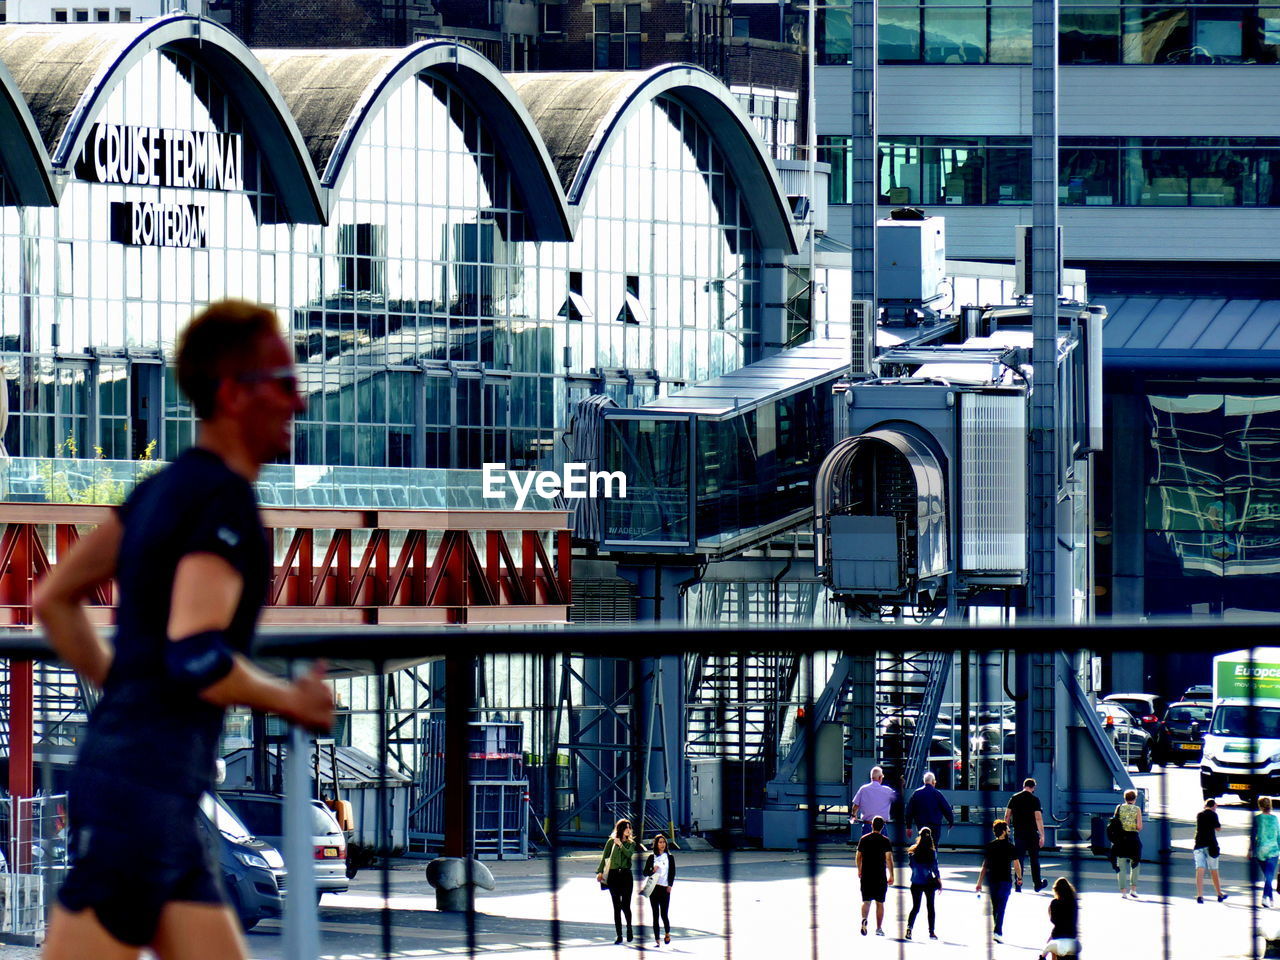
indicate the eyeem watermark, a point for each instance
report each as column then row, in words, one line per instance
column 575, row 483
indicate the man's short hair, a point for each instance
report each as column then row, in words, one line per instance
column 1029, row 782
column 1211, row 803
column 219, row 342
column 929, row 777
column 877, row 773
column 1000, row 828
column 877, row 824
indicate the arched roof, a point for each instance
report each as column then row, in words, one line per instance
column 335, row 94
column 23, row 157
column 66, row 72
column 580, row 114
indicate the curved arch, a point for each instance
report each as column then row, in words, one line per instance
column 101, row 56
column 23, row 157
column 925, row 525
column 581, row 115
column 507, row 117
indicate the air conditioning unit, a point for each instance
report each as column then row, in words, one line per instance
column 862, row 338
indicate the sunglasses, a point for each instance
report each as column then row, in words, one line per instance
column 286, row 377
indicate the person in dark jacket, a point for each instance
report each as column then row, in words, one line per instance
column 925, row 878
column 661, row 865
column 615, row 871
column 928, row 807
column 1064, row 915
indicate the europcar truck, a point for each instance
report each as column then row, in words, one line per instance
column 1242, row 744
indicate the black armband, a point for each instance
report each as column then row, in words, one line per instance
column 199, row 661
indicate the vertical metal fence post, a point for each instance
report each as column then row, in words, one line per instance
column 301, row 935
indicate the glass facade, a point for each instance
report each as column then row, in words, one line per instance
column 1213, row 502
column 1094, row 171
column 991, row 31
column 429, row 330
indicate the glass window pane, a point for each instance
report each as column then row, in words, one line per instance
column 899, row 34
column 1088, row 176
column 899, row 173
column 833, row 37
column 954, row 34
column 1089, row 34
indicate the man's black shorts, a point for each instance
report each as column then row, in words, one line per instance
column 874, row 887
column 132, row 851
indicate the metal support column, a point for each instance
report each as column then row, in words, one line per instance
column 1045, row 280
column 863, row 148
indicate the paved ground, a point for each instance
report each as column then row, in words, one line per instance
column 770, row 910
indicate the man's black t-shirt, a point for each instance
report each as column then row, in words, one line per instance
column 1023, row 807
column 1206, row 824
column 873, row 847
column 147, row 728
column 1000, row 856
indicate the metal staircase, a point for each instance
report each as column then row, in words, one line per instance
column 734, row 704
column 61, row 705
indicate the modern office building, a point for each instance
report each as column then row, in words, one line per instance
column 1167, row 193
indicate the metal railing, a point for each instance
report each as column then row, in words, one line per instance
column 754, row 902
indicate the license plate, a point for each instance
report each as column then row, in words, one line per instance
column 1189, row 746
column 1239, row 786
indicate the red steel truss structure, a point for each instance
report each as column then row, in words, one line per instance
column 333, row 567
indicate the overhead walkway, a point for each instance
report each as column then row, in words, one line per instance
column 725, row 463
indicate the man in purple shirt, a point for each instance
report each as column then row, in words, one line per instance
column 873, row 799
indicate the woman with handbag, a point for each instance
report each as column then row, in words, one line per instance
column 925, row 878
column 660, row 869
column 1128, row 846
column 614, row 873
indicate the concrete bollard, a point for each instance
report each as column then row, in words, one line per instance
column 448, row 875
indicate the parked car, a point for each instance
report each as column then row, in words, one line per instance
column 263, row 814
column 1182, row 732
column 253, row 871
column 1146, row 707
column 1133, row 744
column 1202, row 692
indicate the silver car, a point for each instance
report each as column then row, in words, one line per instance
column 263, row 814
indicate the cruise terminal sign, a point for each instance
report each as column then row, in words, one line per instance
column 161, row 157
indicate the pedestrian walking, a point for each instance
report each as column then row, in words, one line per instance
column 616, row 873
column 928, row 808
column 1064, row 918
column 1266, row 846
column 925, row 879
column 1025, row 817
column 1128, row 847
column 1000, row 864
column 192, row 563
column 875, row 872
column 873, row 799
column 661, row 866
column 1205, row 850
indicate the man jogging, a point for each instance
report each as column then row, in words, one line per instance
column 1023, row 814
column 192, row 562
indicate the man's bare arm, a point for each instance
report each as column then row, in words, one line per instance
column 206, row 591
column 59, row 600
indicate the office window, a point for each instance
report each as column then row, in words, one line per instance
column 124, row 15
column 631, row 27
column 80, row 16
column 832, row 34
column 102, row 16
column 602, row 16
column 1088, row 175
column 552, row 18
column 835, row 151
column 955, row 32
column 900, row 31
column 59, row 16
column 742, row 27
column 1089, row 34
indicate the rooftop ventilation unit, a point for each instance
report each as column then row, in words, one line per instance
column 862, row 339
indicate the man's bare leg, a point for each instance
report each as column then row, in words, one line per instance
column 74, row 936
column 198, row 931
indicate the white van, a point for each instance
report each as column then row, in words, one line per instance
column 1242, row 744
